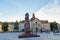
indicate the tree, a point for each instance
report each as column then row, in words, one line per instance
column 5, row 26
column 16, row 26
column 53, row 26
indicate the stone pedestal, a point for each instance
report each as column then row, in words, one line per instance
column 28, row 35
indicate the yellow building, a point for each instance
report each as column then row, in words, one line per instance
column 1, row 27
column 10, row 26
column 45, row 24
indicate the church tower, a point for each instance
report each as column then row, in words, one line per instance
column 33, row 16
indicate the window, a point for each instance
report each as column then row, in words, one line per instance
column 35, row 22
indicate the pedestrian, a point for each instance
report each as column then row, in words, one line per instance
column 36, row 30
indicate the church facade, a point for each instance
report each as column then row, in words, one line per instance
column 40, row 24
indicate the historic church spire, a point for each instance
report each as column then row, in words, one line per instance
column 33, row 16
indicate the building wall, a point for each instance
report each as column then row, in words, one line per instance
column 1, row 27
column 46, row 26
column 35, row 23
column 21, row 26
column 39, row 24
column 59, row 27
column 11, row 27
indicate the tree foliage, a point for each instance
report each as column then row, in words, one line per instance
column 53, row 26
column 5, row 26
column 16, row 26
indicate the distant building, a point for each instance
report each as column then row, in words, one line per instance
column 35, row 22
column 45, row 25
column 11, row 26
column 58, row 26
column 40, row 24
column 1, row 27
column 21, row 25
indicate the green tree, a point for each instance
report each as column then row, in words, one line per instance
column 53, row 26
column 16, row 26
column 5, row 26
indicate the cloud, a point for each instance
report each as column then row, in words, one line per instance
column 56, row 2
column 49, row 12
column 1, row 14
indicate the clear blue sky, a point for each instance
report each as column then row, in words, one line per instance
column 11, row 10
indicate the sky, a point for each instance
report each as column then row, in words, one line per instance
column 12, row 10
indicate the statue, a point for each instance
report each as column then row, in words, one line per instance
column 27, row 29
column 27, row 23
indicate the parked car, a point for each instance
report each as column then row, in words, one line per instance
column 47, row 31
column 56, row 31
column 43, row 29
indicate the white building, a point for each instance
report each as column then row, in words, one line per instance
column 40, row 24
column 21, row 26
column 35, row 23
column 11, row 26
column 59, row 27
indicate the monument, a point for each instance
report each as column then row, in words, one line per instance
column 27, row 32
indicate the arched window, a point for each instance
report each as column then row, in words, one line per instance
column 35, row 22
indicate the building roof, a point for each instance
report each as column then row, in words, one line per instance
column 11, row 22
column 23, row 21
column 44, row 21
column 0, row 22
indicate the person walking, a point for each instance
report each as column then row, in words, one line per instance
column 36, row 30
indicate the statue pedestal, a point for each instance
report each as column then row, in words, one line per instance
column 28, row 35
